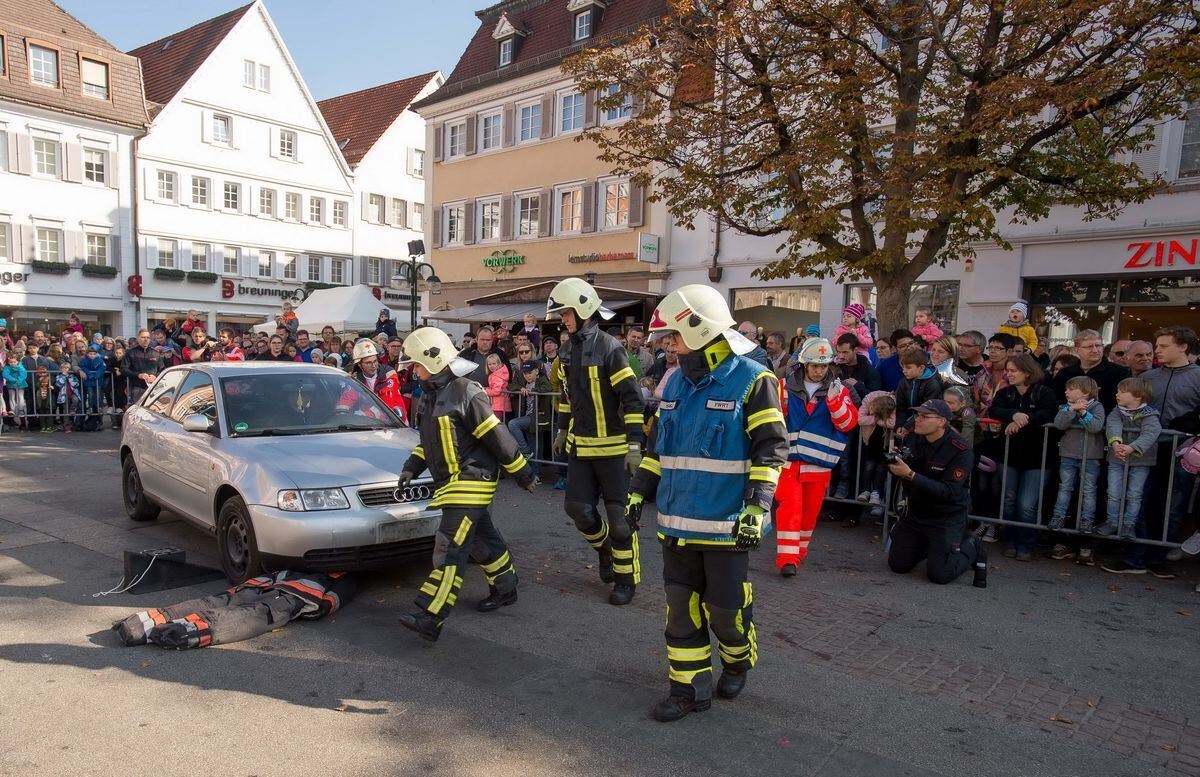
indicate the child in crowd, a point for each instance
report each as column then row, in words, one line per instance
column 316, row 356
column 1018, row 325
column 1132, row 432
column 877, row 421
column 333, row 360
column 497, row 387
column 16, row 378
column 93, row 368
column 965, row 422
column 852, row 323
column 1080, row 451
column 923, row 325
column 66, row 387
column 920, row 383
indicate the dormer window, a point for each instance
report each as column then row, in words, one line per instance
column 583, row 25
column 507, row 36
column 585, row 17
column 506, row 52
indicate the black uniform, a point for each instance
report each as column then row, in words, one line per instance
column 936, row 518
column 463, row 445
column 602, row 412
column 140, row 361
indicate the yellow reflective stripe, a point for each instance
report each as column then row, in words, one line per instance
column 485, row 426
column 448, row 451
column 633, row 418
column 419, row 451
column 443, row 589
column 429, row 588
column 767, row 474
column 498, row 564
column 610, row 440
column 694, row 610
column 598, row 453
column 651, row 465
column 516, row 466
column 689, row 654
column 601, row 422
column 463, row 527
column 620, row 375
column 436, row 574
column 563, row 407
column 451, row 500
column 768, row 416
column 637, row 560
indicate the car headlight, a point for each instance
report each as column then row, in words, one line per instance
column 295, row 500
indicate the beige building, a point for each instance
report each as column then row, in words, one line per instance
column 515, row 198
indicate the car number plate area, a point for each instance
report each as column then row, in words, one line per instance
column 408, row 529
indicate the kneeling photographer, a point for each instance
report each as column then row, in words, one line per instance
column 934, row 474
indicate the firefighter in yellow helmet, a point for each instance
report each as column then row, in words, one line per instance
column 600, row 415
column 716, row 447
column 463, row 445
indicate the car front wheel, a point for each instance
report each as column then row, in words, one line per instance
column 137, row 505
column 240, row 559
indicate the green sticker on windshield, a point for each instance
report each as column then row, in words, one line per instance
column 241, row 426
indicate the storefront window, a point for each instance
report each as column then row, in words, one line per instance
column 1059, row 323
column 940, row 297
column 1133, row 308
column 780, row 309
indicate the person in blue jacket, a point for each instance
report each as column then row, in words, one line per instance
column 92, row 368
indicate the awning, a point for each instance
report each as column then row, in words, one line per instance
column 509, row 311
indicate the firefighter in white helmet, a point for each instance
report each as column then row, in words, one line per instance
column 600, row 416
column 463, row 445
column 716, row 446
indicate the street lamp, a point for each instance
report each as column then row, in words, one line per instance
column 410, row 274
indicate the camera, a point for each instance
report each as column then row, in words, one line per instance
column 897, row 454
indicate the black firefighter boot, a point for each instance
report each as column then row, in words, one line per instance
column 495, row 600
column 675, row 708
column 621, row 594
column 731, row 684
column 606, row 564
column 981, row 568
column 427, row 626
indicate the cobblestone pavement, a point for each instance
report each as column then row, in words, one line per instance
column 1054, row 669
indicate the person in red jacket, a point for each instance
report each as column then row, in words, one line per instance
column 229, row 349
column 379, row 378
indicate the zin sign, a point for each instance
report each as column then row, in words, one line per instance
column 1162, row 253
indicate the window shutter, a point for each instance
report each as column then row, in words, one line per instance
column 273, row 140
column 24, row 155
column 470, row 132
column 636, row 205
column 588, row 220
column 149, row 183
column 437, row 142
column 408, row 156
column 10, row 152
column 388, row 206
column 22, row 239
column 114, row 251
column 74, row 247
column 366, row 207
column 437, row 227
column 545, row 212
column 469, row 223
column 400, row 213
column 1148, row 160
column 589, row 109
column 206, row 126
column 151, row 253
column 110, row 169
column 547, row 115
column 73, row 168
column 508, row 130
column 636, row 104
column 506, row 217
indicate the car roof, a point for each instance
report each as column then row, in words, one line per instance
column 227, row 369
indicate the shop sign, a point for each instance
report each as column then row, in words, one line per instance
column 229, row 289
column 503, row 261
column 647, row 248
column 13, row 277
column 1161, row 253
column 617, row 256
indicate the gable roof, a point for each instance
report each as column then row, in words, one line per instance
column 548, row 42
column 357, row 120
column 46, row 16
column 170, row 61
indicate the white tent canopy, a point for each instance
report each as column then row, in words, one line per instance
column 345, row 308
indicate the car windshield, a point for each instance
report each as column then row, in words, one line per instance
column 301, row 403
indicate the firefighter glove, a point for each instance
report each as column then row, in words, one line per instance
column 633, row 460
column 633, row 510
column 748, row 528
column 525, row 479
column 406, row 477
column 560, row 442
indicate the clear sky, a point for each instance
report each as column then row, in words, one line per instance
column 340, row 46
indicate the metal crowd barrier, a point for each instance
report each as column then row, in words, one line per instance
column 38, row 403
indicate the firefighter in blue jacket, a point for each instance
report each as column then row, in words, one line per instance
column 717, row 444
column 600, row 419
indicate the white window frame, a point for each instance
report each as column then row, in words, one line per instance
column 337, row 271
column 618, row 115
column 201, row 254
column 377, row 207
column 95, row 165
column 313, row 263
column 266, row 201
column 616, row 215
column 316, row 210
column 340, row 210
column 520, row 220
column 36, row 74
column 577, row 206
column 95, row 248
column 231, row 252
column 231, row 190
column 248, row 73
column 49, row 244
column 534, row 130
column 399, row 213
column 41, row 157
column 416, row 221
column 583, row 19
column 291, row 206
column 168, row 253
column 452, row 237
column 496, row 139
column 288, row 139
column 483, row 206
column 167, row 186
column 576, row 115
column 225, row 121
column 206, row 195
column 374, row 271
column 264, row 78
column 269, row 258
column 456, row 129
column 93, row 90
column 291, row 267
column 418, row 163
column 504, row 57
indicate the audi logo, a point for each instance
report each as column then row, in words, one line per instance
column 413, row 494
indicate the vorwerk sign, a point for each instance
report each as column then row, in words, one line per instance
column 503, row 261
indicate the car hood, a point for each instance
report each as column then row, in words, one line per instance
column 333, row 459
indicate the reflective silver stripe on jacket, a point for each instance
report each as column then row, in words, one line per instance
column 804, row 450
column 828, row 442
column 698, row 525
column 697, row 464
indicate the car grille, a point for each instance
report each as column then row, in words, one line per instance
column 382, row 497
column 367, row 555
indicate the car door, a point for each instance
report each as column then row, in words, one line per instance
column 151, row 416
column 188, row 460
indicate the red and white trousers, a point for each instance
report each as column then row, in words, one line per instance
column 800, row 493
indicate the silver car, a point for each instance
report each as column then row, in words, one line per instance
column 290, row 465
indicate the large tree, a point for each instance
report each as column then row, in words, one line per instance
column 879, row 137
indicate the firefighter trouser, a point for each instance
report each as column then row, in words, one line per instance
column 588, row 482
column 706, row 589
column 213, row 620
column 465, row 534
column 941, row 545
column 800, row 496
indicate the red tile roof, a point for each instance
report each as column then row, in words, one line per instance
column 357, row 120
column 549, row 40
column 166, row 68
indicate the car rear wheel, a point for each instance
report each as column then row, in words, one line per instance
column 137, row 505
column 240, row 559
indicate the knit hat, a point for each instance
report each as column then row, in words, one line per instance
column 812, row 330
column 855, row 309
column 1021, row 307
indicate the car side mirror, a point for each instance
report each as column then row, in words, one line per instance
column 196, row 422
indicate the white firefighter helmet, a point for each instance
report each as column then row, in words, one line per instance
column 699, row 315
column 816, row 350
column 578, row 295
column 363, row 349
column 432, row 348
